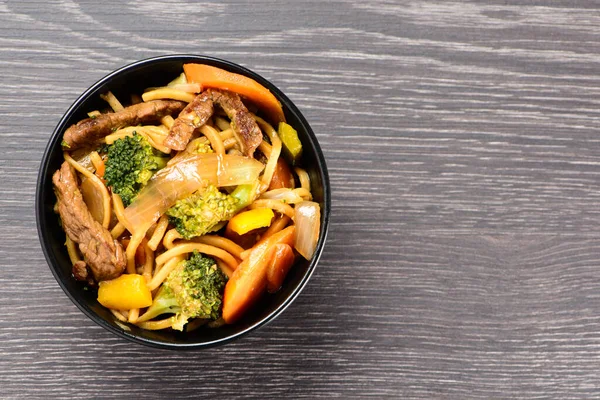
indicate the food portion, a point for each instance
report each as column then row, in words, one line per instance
column 185, row 207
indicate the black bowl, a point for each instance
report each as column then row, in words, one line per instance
column 134, row 78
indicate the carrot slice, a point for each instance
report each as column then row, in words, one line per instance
column 249, row 280
column 282, row 178
column 213, row 77
column 282, row 258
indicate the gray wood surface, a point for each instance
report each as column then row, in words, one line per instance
column 463, row 147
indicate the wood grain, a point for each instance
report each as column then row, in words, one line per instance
column 462, row 143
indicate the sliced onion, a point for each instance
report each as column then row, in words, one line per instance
column 288, row 196
column 307, row 218
column 82, row 156
column 182, row 179
column 93, row 199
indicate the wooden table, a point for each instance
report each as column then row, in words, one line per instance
column 463, row 147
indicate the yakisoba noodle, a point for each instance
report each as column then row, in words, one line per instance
column 204, row 229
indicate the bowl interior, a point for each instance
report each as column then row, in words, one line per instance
column 133, row 79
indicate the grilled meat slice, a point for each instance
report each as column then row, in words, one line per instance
column 103, row 255
column 193, row 116
column 197, row 112
column 90, row 130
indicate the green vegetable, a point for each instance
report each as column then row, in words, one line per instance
column 181, row 78
column 65, row 144
column 130, row 164
column 292, row 147
column 245, row 194
column 201, row 147
column 198, row 213
column 193, row 290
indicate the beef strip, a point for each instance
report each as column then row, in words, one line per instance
column 103, row 255
column 199, row 111
column 245, row 129
column 81, row 273
column 90, row 130
column 193, row 116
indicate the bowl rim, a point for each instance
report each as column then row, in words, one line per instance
column 61, row 126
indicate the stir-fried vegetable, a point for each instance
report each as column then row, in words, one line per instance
column 292, row 147
column 124, row 293
column 249, row 280
column 197, row 214
column 307, row 217
column 247, row 221
column 282, row 176
column 93, row 199
column 184, row 178
column 282, row 258
column 193, row 290
column 130, row 164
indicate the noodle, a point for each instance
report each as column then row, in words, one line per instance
column 118, row 315
column 98, row 183
column 159, row 232
column 222, row 243
column 215, row 139
column 149, row 264
column 96, row 160
column 303, row 177
column 276, row 205
column 112, row 101
column 167, row 121
column 157, row 325
column 169, row 237
column 160, row 276
column 224, row 267
column 289, row 196
column 168, row 93
column 72, row 250
column 134, row 242
column 275, row 151
column 184, row 248
column 304, row 193
column 120, row 211
column 265, row 148
column 230, row 143
column 117, row 230
column 222, row 124
column 134, row 314
column 153, row 134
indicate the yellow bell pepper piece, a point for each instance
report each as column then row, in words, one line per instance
column 292, row 146
column 125, row 293
column 247, row 221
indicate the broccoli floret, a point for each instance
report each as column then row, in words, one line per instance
column 130, row 164
column 194, row 289
column 198, row 213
